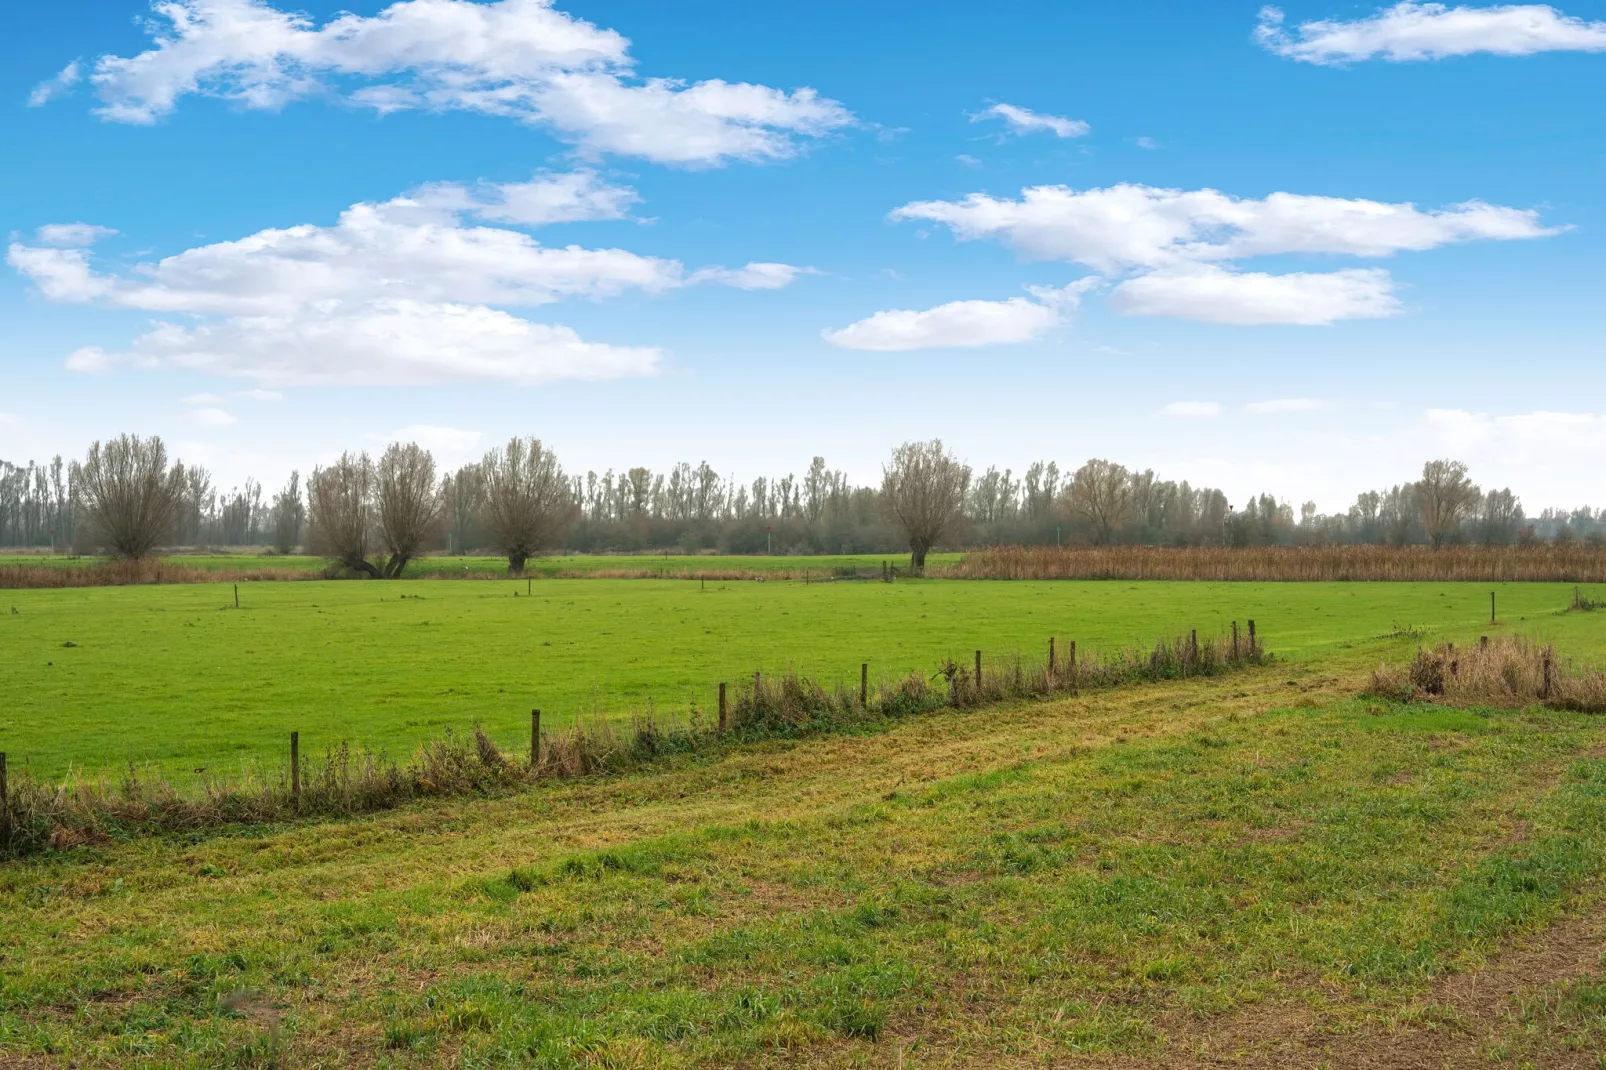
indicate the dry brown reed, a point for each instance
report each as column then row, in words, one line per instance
column 140, row 571
column 1508, row 672
column 1487, row 564
column 39, row 816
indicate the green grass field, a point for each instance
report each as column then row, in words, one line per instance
column 174, row 675
column 1258, row 870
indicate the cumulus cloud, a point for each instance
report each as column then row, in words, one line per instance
column 962, row 324
column 1286, row 405
column 1127, row 226
column 397, row 343
column 1176, row 248
column 521, row 59
column 1025, row 121
column 1413, row 31
column 570, row 197
column 1192, row 409
column 1210, row 294
column 399, row 292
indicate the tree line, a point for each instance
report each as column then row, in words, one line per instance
column 371, row 515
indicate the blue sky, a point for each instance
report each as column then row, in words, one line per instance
column 1297, row 254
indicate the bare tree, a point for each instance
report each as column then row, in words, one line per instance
column 526, row 500
column 1445, row 498
column 130, row 496
column 410, row 508
column 1501, row 517
column 923, row 489
column 1100, row 492
column 340, row 512
column 288, row 515
column 464, row 493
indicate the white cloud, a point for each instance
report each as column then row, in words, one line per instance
column 963, row 324
column 1192, row 409
column 48, row 90
column 1209, row 294
column 9, row 419
column 90, row 360
column 515, row 58
column 256, row 394
column 1285, row 405
column 213, row 418
column 1147, row 143
column 957, row 324
column 1171, row 244
column 203, row 399
column 72, row 235
column 1026, row 121
column 1423, row 31
column 397, row 343
column 755, row 276
column 400, row 292
column 572, row 197
column 1127, row 226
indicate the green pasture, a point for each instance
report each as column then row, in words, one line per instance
column 1258, row 866
column 174, row 675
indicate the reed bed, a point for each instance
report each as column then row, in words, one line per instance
column 36, row 816
column 134, row 572
column 1487, row 564
column 1507, row 672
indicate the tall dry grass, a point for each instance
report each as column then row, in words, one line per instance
column 39, row 816
column 139, row 571
column 1488, row 564
column 1508, row 671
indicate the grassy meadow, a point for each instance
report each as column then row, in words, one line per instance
column 1256, row 870
column 175, row 676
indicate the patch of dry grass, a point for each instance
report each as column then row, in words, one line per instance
column 1508, row 671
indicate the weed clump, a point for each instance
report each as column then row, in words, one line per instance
column 1507, row 671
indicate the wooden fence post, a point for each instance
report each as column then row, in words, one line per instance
column 236, row 596
column 1252, row 639
column 535, row 738
column 864, row 685
column 1073, row 666
column 295, row 768
column 724, row 710
column 1491, row 607
column 1051, row 661
column 5, row 804
column 1234, row 640
column 978, row 674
